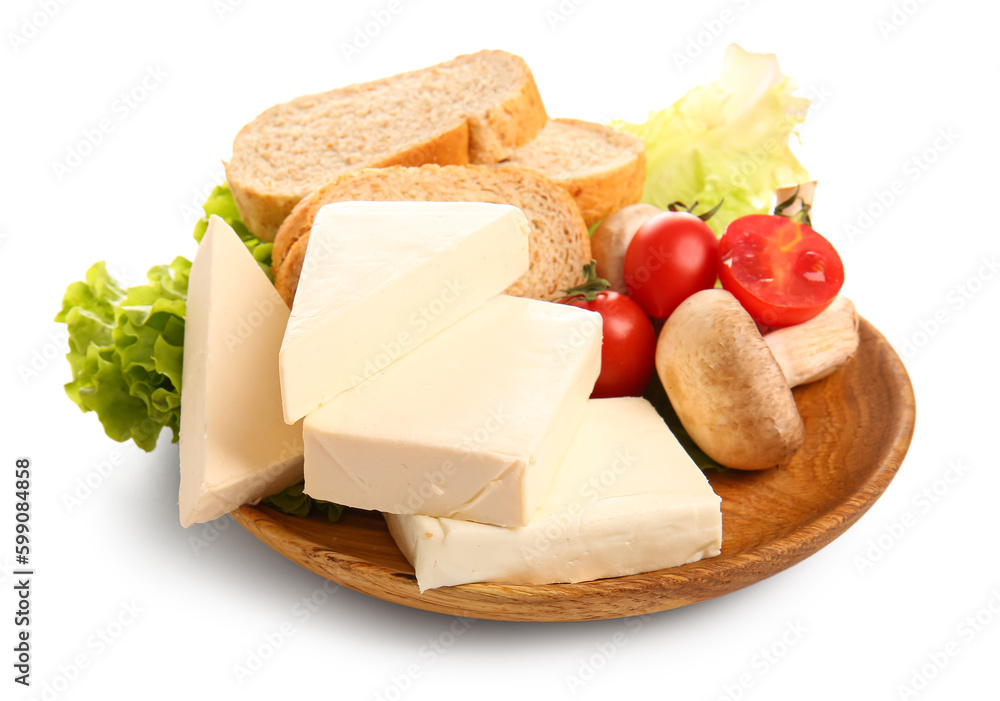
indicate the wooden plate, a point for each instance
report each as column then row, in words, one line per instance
column 858, row 422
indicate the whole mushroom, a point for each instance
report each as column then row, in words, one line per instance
column 611, row 239
column 725, row 385
column 731, row 387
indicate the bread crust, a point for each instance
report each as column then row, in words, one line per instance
column 599, row 191
column 559, row 246
column 606, row 191
column 264, row 201
column 511, row 125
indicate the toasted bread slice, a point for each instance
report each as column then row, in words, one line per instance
column 559, row 245
column 602, row 168
column 473, row 109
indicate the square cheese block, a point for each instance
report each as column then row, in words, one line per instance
column 380, row 278
column 235, row 447
column 627, row 499
column 471, row 425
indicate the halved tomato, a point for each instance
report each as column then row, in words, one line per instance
column 781, row 271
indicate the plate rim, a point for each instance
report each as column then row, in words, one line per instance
column 762, row 560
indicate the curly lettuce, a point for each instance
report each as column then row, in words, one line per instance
column 127, row 346
column 126, row 349
column 728, row 139
column 221, row 203
column 292, row 500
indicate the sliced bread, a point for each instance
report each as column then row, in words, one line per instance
column 559, row 245
column 602, row 168
column 475, row 108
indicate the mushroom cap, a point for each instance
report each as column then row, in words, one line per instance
column 611, row 239
column 725, row 385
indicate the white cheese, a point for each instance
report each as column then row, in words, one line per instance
column 473, row 424
column 235, row 448
column 627, row 499
column 380, row 278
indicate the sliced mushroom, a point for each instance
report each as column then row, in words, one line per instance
column 725, row 384
column 804, row 195
column 813, row 349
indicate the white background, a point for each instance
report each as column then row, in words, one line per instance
column 862, row 631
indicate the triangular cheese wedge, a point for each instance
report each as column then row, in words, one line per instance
column 235, row 448
column 380, row 278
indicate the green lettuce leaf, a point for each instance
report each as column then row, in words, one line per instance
column 728, row 139
column 127, row 346
column 126, row 349
column 293, row 501
column 221, row 203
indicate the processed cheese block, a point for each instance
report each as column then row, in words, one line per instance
column 627, row 499
column 471, row 425
column 380, row 278
column 235, row 448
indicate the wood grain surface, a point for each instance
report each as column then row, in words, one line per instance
column 858, row 423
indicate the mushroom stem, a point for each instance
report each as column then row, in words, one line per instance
column 813, row 349
column 807, row 191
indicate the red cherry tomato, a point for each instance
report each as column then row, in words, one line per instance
column 629, row 348
column 781, row 271
column 671, row 256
